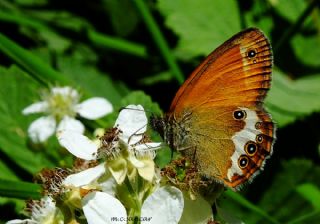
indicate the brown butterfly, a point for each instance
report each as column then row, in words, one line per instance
column 217, row 116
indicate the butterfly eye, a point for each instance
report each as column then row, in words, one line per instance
column 259, row 138
column 251, row 53
column 251, row 148
column 239, row 114
column 243, row 161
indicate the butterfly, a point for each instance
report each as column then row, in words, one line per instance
column 217, row 117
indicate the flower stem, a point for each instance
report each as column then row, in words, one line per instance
column 159, row 40
column 134, row 211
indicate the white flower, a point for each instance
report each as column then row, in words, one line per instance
column 132, row 124
column 61, row 106
column 95, row 178
column 165, row 205
column 42, row 212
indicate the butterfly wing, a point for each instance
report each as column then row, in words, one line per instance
column 220, row 107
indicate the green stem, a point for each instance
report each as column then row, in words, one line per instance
column 134, row 211
column 30, row 62
column 96, row 38
column 117, row 44
column 247, row 204
column 304, row 218
column 296, row 26
column 19, row 189
column 159, row 39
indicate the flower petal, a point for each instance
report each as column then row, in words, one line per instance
column 65, row 91
column 85, row 177
column 71, row 124
column 118, row 169
column 135, row 162
column 78, row 144
column 94, row 108
column 108, row 184
column 42, row 128
column 132, row 121
column 102, row 208
column 147, row 172
column 37, row 107
column 168, row 204
column 196, row 211
column 21, row 221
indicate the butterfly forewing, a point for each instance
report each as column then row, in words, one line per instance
column 220, row 107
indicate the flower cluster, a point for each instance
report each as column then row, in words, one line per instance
column 114, row 178
column 126, row 186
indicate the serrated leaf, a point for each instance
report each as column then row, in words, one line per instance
column 17, row 90
column 200, row 25
column 289, row 100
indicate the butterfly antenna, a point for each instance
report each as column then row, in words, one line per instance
column 136, row 132
column 150, row 112
column 144, row 110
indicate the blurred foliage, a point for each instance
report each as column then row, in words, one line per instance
column 119, row 48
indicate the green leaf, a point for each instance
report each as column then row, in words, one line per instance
column 17, row 90
column 304, row 48
column 36, row 30
column 90, row 79
column 31, row 2
column 10, row 206
column 6, row 172
column 60, row 18
column 29, row 61
column 311, row 193
column 19, row 189
column 289, row 100
column 294, row 174
column 156, row 78
column 290, row 9
column 139, row 97
column 200, row 25
column 163, row 157
column 249, row 205
column 258, row 16
column 122, row 25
